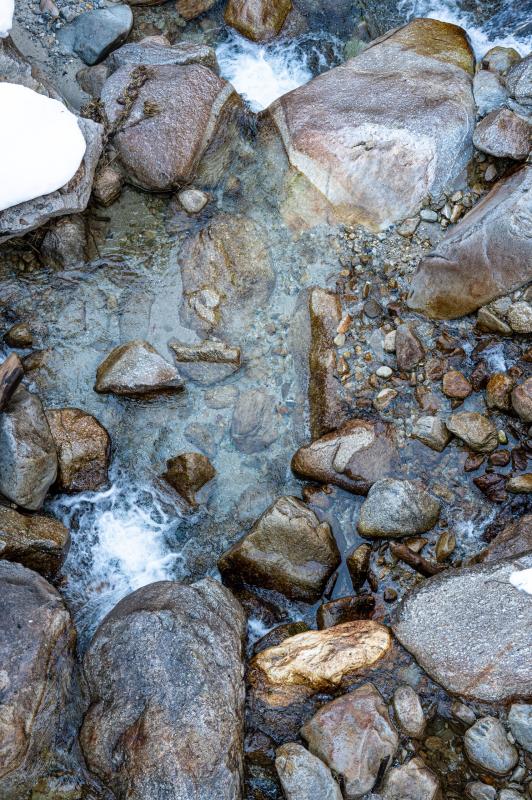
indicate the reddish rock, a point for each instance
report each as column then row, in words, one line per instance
column 498, row 391
column 522, row 400
column 456, row 385
column 408, row 348
column 83, row 449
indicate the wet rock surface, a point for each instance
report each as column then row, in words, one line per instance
column 258, row 20
column 303, row 776
column 397, row 508
column 83, row 449
column 209, row 362
column 412, row 781
column 135, row 369
column 37, row 542
column 188, row 473
column 94, row 34
column 254, row 425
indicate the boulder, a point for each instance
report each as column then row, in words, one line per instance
column 412, row 781
column 93, row 34
column 353, row 735
column 373, row 146
column 486, row 255
column 187, row 473
column 258, row 20
column 83, row 449
column 164, row 672
column 522, row 400
column 324, row 387
column 303, row 776
column 208, row 362
column 38, row 681
column 519, row 81
column 503, row 134
column 227, row 273
column 254, row 425
column 150, row 53
column 136, row 369
column 488, row 748
column 476, row 430
column 500, row 59
column 166, row 119
column 37, row 542
column 287, row 549
column 514, row 540
column 466, row 628
column 520, row 722
column 28, row 458
column 395, row 508
column 352, row 457
column 489, row 92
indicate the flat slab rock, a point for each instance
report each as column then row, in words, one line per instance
column 471, row 630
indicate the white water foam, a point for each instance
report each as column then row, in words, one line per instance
column 261, row 73
column 121, row 540
column 508, row 28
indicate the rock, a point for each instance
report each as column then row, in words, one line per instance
column 258, row 20
column 409, row 350
column 480, row 791
column 318, row 661
column 278, row 634
column 345, row 609
column 500, row 59
column 486, row 255
column 193, row 200
column 136, row 369
column 428, row 215
column 455, row 385
column 19, row 336
column 520, row 722
column 227, row 273
column 412, row 781
column 92, row 79
column 352, row 457
column 164, row 674
column 65, row 243
column 93, row 34
column 358, row 563
column 347, row 140
column 519, row 81
column 503, row 134
column 11, row 374
column 325, row 406
column 476, row 430
column 489, row 92
column 28, row 459
column 520, row 317
column 514, row 540
column 190, row 9
column 152, row 53
column 38, row 680
column 522, row 400
column 481, row 656
column 487, row 321
column 107, row 186
column 303, row 776
column 83, row 449
column 207, row 362
column 187, row 473
column 408, row 711
column 70, row 199
column 353, row 735
column 395, row 508
column 463, row 713
column 488, row 748
column 37, row 542
column 510, row 794
column 433, row 432
column 520, row 484
column 254, row 425
column 287, row 549
column 173, row 117
column 498, row 391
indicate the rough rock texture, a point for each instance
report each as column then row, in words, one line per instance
column 303, row 776
column 287, row 549
column 319, row 660
column 353, row 735
column 476, row 430
column 226, row 270
column 325, row 406
column 522, row 400
column 352, row 457
column 37, row 542
column 520, row 722
column 345, row 609
column 38, row 681
column 28, row 459
column 150, row 53
column 514, row 540
column 486, row 255
column 375, row 147
column 189, row 9
column 412, row 781
column 396, row 508
column 70, row 199
column 83, row 449
column 409, row 350
column 503, row 134
column 135, row 369
column 258, row 20
column 408, row 711
column 187, row 473
column 254, row 425
column 208, row 362
column 489, row 92
column 164, row 671
column 519, row 81
column 172, row 117
column 92, row 35
column 466, row 628
column 64, row 244
column 433, row 432
column 487, row 747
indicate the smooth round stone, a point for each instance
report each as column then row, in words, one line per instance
column 383, row 372
column 408, row 711
column 487, row 746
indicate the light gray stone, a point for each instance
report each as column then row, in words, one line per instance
column 412, row 781
column 304, row 776
column 134, row 369
column 489, row 92
column 476, row 790
column 519, row 81
column 520, row 722
column 408, row 711
column 395, row 508
column 487, row 746
column 433, row 432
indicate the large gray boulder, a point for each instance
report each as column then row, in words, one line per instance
column 165, row 676
column 395, row 508
column 471, row 630
column 373, row 144
column 28, row 458
column 92, row 35
column 487, row 255
column 135, row 369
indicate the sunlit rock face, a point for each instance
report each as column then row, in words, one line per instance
column 375, row 135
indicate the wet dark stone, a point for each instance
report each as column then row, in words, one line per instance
column 278, row 635
column 492, row 485
column 345, row 609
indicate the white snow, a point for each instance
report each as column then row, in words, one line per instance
column 41, row 145
column 522, row 580
column 7, row 9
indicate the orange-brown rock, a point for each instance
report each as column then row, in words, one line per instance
column 189, row 9
column 83, row 449
column 258, row 20
column 37, row 542
column 456, row 385
column 324, row 387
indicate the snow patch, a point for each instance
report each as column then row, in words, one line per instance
column 41, row 145
column 7, row 9
column 522, row 580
